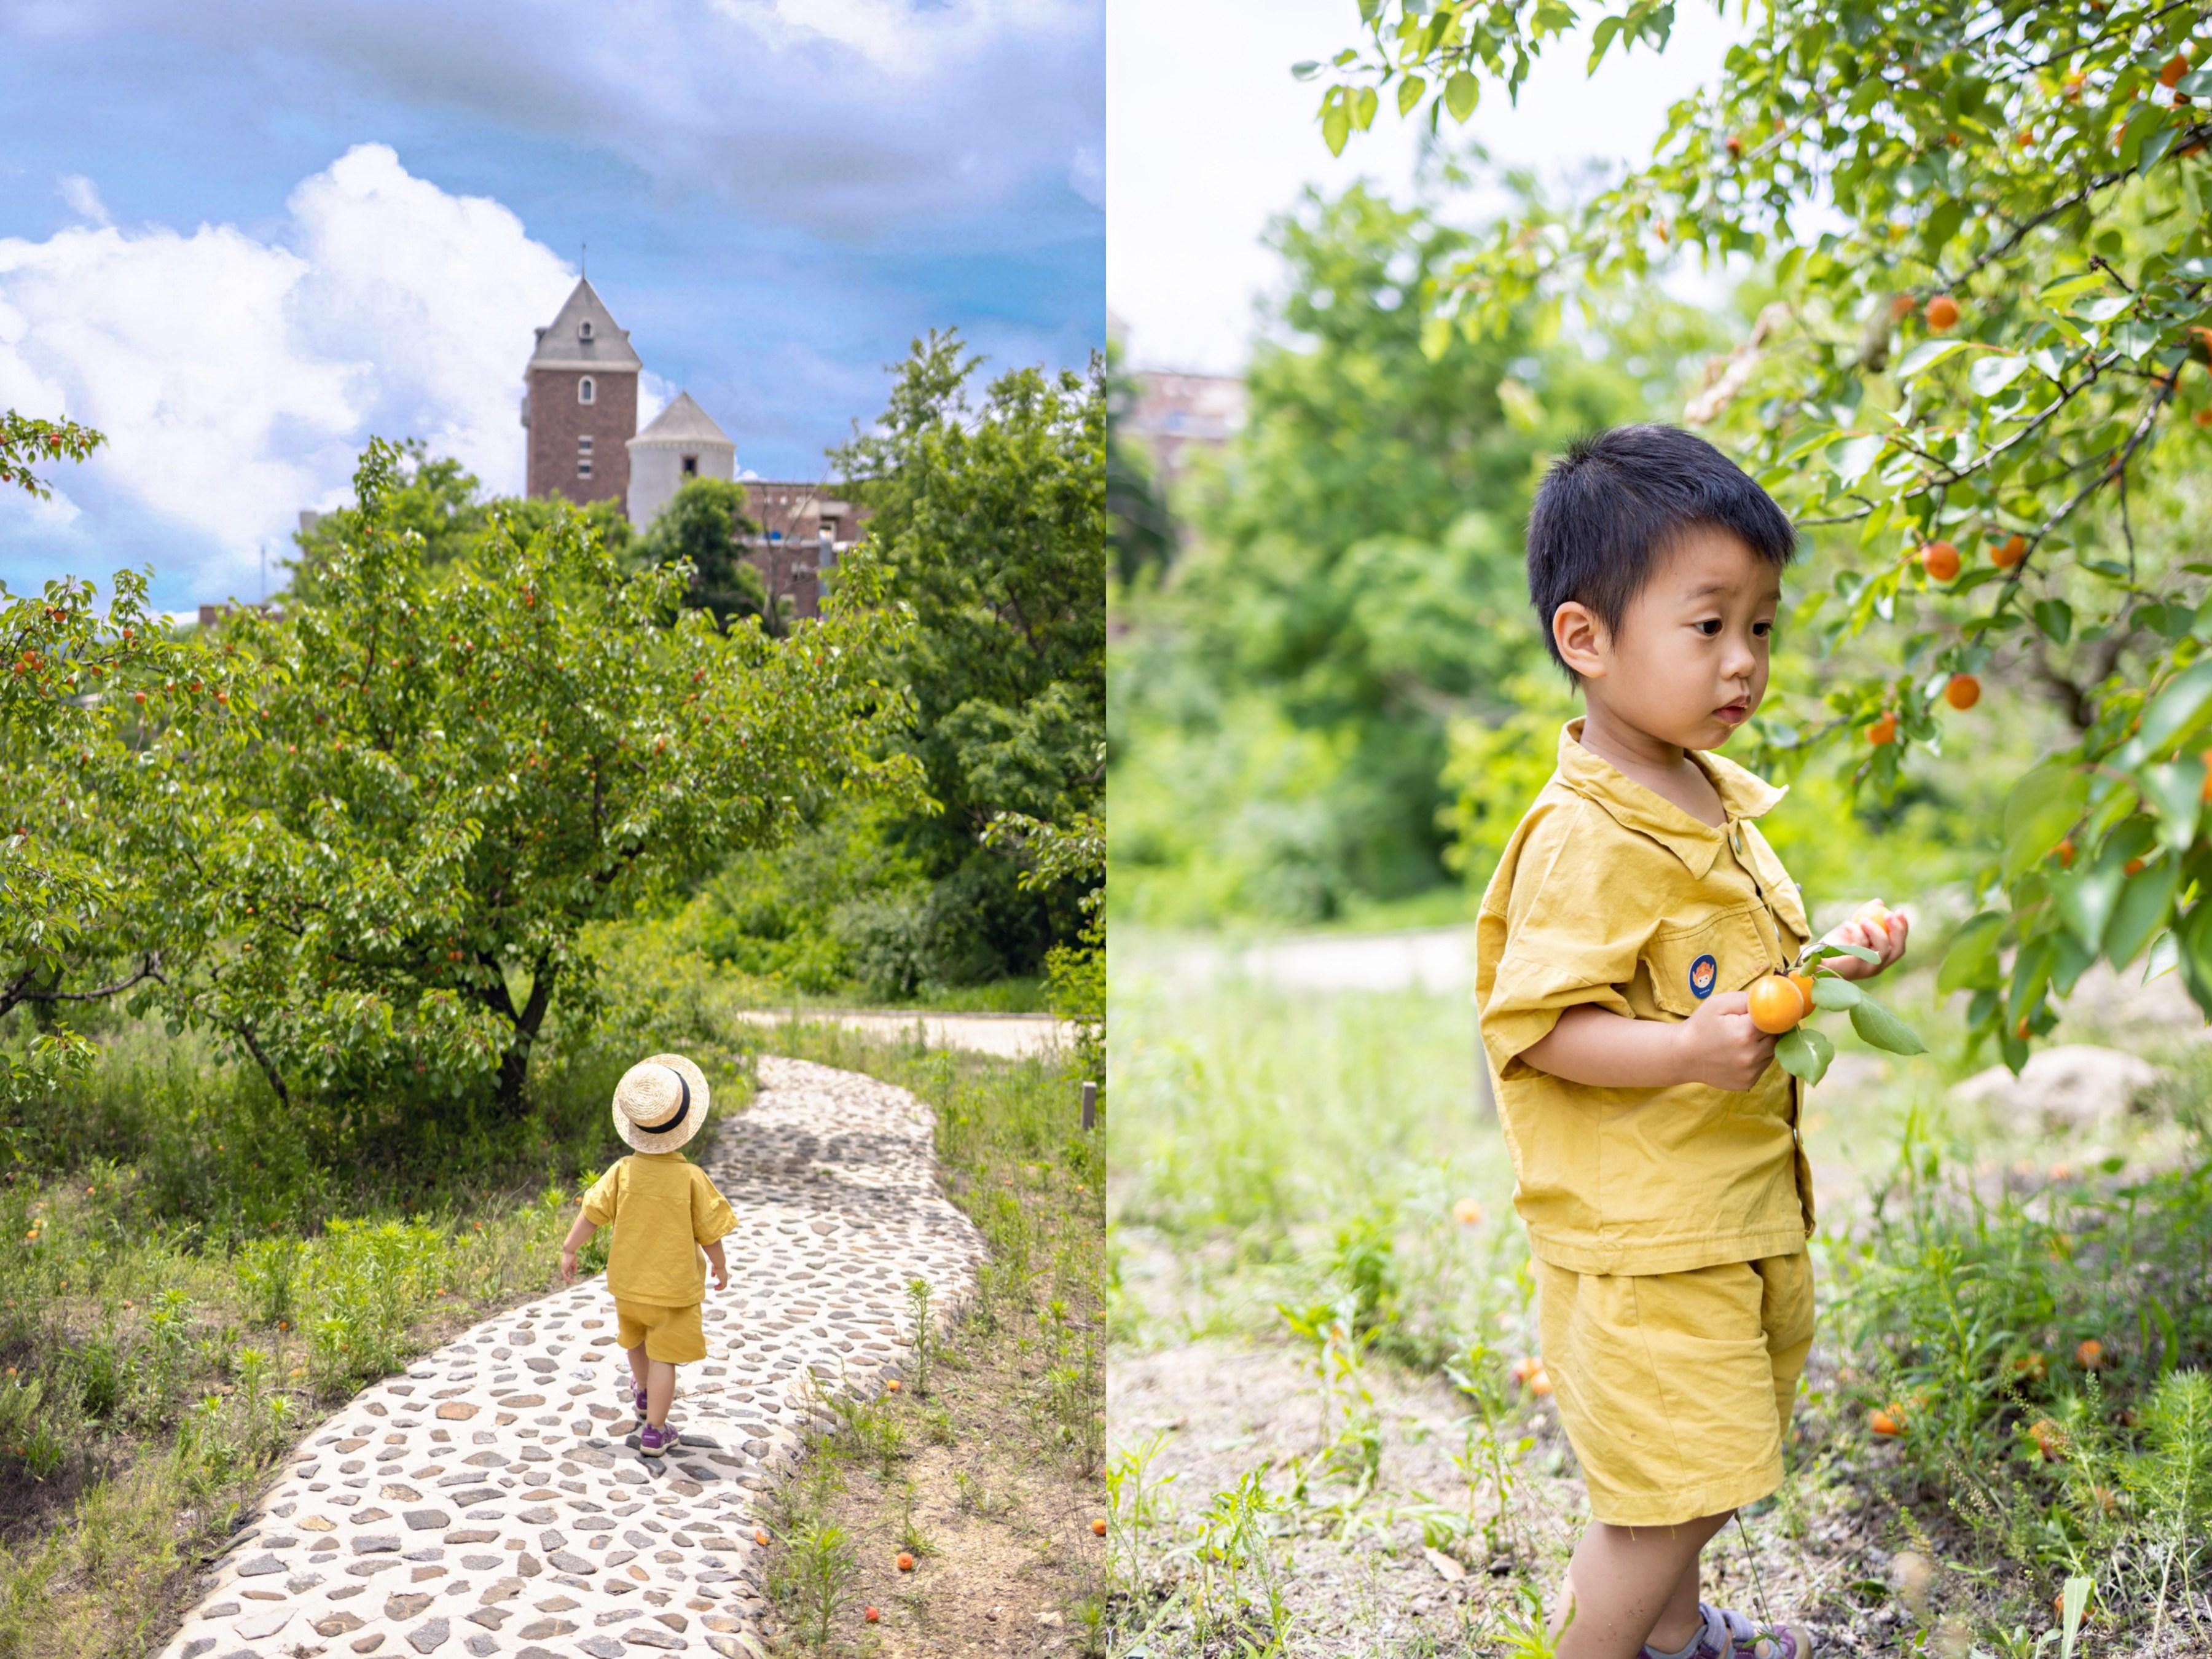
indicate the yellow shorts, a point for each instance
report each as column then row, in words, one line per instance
column 672, row 1335
column 1675, row 1388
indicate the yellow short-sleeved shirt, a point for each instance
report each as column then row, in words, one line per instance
column 663, row 1207
column 1610, row 894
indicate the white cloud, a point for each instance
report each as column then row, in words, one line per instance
column 237, row 379
column 83, row 199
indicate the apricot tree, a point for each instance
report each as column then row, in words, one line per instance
column 360, row 843
column 1972, row 388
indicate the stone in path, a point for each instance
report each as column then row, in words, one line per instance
column 492, row 1499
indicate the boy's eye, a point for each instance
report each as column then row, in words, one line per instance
column 1709, row 626
column 1761, row 630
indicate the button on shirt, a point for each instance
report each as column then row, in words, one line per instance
column 663, row 1207
column 1610, row 894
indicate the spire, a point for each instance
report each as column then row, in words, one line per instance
column 583, row 334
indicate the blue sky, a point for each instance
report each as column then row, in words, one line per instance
column 241, row 238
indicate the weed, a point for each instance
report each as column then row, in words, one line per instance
column 812, row 1579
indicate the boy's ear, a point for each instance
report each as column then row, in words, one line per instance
column 1582, row 639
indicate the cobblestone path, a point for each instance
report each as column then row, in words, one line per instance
column 492, row 1499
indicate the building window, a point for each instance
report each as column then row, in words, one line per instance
column 584, row 446
column 584, row 467
column 691, row 466
column 585, row 390
column 829, row 529
column 584, row 329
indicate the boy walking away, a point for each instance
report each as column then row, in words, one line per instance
column 1653, row 1137
column 664, row 1210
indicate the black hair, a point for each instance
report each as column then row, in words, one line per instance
column 1610, row 507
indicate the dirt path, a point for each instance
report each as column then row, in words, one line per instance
column 1010, row 1036
column 492, row 1499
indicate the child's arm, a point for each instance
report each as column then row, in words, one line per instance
column 722, row 1271
column 1601, row 1049
column 579, row 1235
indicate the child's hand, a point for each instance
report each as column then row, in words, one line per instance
column 568, row 1266
column 721, row 1279
column 1719, row 1045
column 1875, row 928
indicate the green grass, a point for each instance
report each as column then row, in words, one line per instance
column 1285, row 1167
column 998, row 1435
column 191, row 1277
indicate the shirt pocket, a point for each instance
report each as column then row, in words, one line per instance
column 1687, row 965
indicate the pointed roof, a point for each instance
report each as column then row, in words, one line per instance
column 684, row 423
column 564, row 343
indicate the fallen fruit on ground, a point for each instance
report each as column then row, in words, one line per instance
column 2049, row 1439
column 870, row 1614
column 905, row 1562
column 1940, row 560
column 1963, row 691
column 1776, row 1005
column 1098, row 1527
column 2091, row 1353
column 1540, row 1384
column 1888, row 1424
column 1526, row 1367
column 759, row 1537
column 1467, row 1212
column 893, row 1385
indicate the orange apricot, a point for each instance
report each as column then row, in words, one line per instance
column 1942, row 312
column 1882, row 731
column 2009, row 552
column 1776, row 1005
column 1940, row 560
column 1963, row 691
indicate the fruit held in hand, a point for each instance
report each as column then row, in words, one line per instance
column 1963, row 691
column 1940, row 560
column 1777, row 1005
column 1804, row 984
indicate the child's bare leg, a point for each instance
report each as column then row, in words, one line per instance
column 660, row 1392
column 1630, row 1585
column 637, row 1363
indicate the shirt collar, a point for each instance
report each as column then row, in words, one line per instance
column 1636, row 806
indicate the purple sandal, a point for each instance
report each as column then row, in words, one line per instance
column 659, row 1442
column 1728, row 1635
column 637, row 1397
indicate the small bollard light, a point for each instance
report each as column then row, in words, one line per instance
column 1090, row 1105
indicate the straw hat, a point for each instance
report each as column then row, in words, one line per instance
column 660, row 1103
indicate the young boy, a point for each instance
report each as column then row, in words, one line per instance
column 664, row 1209
column 1653, row 1137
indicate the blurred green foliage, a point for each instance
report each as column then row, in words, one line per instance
column 1355, row 580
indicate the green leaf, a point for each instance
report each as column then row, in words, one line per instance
column 2174, row 711
column 1409, row 92
column 1461, row 93
column 1335, row 125
column 2039, row 811
column 1830, row 992
column 1992, row 373
column 1972, row 959
column 1600, row 38
column 1830, row 948
column 2085, row 900
column 2135, row 337
column 1876, row 1025
column 1804, row 1053
column 2175, row 794
column 2143, row 906
column 2055, row 618
column 1850, row 458
column 1923, row 356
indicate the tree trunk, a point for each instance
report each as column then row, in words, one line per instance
column 514, row 1064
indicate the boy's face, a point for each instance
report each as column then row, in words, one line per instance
column 1688, row 664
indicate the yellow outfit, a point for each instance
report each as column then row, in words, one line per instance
column 663, row 1207
column 1640, row 1202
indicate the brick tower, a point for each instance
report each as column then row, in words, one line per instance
column 580, row 408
